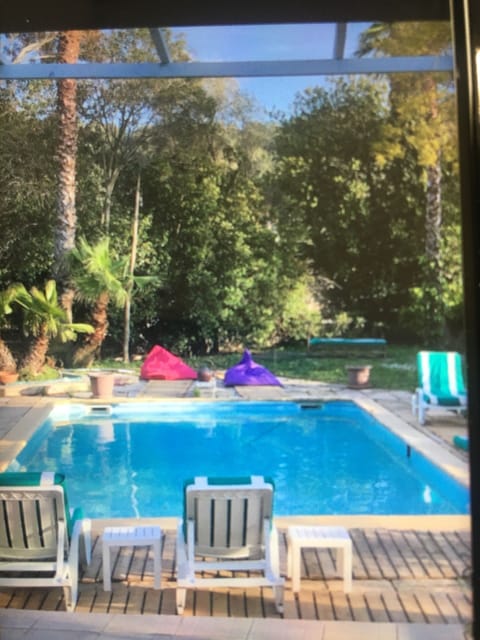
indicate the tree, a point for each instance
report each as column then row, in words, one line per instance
column 7, row 297
column 66, row 153
column 423, row 119
column 117, row 116
column 131, row 272
column 44, row 319
column 100, row 279
column 337, row 213
column 210, row 225
column 27, row 179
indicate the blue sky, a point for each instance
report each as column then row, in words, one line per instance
column 270, row 42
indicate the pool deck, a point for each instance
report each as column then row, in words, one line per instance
column 410, row 574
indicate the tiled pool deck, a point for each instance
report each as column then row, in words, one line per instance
column 411, row 574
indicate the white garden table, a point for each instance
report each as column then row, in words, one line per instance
column 132, row 537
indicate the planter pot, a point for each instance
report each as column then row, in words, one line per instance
column 101, row 384
column 358, row 376
column 7, row 376
column 204, row 374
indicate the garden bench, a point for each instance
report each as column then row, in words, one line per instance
column 346, row 346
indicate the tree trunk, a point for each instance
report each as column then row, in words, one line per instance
column 37, row 354
column 133, row 260
column 66, row 154
column 433, row 214
column 433, row 271
column 107, row 205
column 7, row 361
column 91, row 348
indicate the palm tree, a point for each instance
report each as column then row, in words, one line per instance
column 7, row 361
column 100, row 279
column 66, row 156
column 44, row 319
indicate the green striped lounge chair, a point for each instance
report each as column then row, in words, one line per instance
column 41, row 541
column 227, row 527
column 441, row 386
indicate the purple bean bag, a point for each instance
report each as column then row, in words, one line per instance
column 249, row 372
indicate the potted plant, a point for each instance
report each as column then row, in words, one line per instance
column 6, row 377
column 358, row 376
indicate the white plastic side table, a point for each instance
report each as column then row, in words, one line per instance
column 319, row 537
column 131, row 537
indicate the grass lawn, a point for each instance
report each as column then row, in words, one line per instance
column 397, row 370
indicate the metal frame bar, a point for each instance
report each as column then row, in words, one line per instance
column 349, row 66
column 340, row 38
column 161, row 46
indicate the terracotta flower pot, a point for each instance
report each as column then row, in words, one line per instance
column 358, row 376
column 8, row 376
column 102, row 384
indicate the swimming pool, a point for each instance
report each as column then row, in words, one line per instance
column 325, row 458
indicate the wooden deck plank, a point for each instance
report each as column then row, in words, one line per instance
column 19, row 599
column 290, row 608
column 445, row 605
column 324, row 606
column 386, row 566
column 316, row 564
column 220, row 607
column 138, row 566
column 376, row 607
column 400, row 569
column 101, row 599
column 411, row 606
column 462, row 604
column 237, row 604
column 393, row 607
column 428, row 545
column 341, row 606
column 85, row 598
column 425, row 563
column 152, row 601
column 394, row 551
column 429, row 608
column 359, row 608
column 253, row 604
column 364, row 551
column 457, row 556
column 398, row 576
column 168, row 601
column 36, row 598
column 201, row 605
column 306, row 605
column 118, row 602
column 409, row 558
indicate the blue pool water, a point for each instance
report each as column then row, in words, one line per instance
column 330, row 458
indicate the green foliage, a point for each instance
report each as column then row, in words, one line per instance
column 301, row 313
column 423, row 121
column 237, row 215
column 26, row 193
column 43, row 315
column 353, row 222
column 95, row 272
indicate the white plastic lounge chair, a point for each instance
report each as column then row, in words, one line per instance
column 440, row 384
column 228, row 526
column 39, row 538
